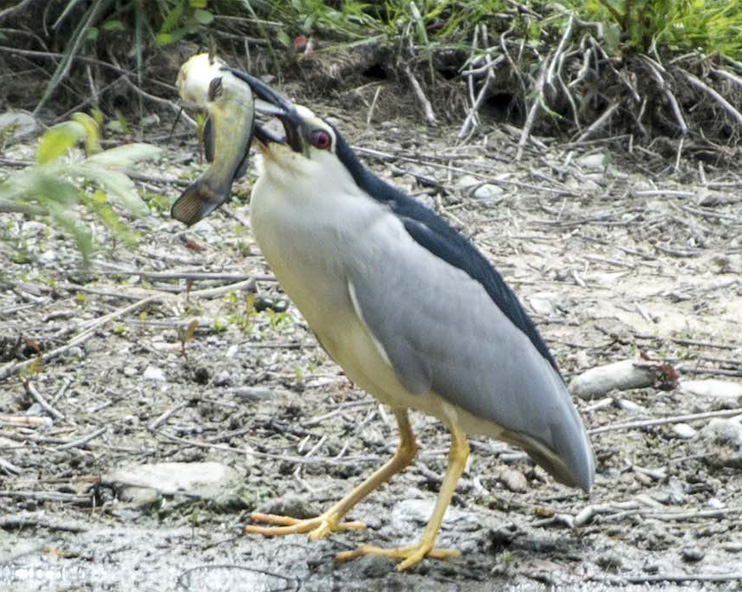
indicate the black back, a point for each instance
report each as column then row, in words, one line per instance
column 433, row 233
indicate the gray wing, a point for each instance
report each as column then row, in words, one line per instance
column 443, row 332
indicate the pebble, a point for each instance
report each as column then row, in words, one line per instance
column 630, row 406
column 467, row 182
column 35, row 410
column 711, row 388
column 48, row 257
column 153, row 373
column 24, row 124
column 683, row 431
column 715, row 503
column 544, row 303
column 130, row 371
column 693, row 555
column 224, row 378
column 592, row 162
column 721, row 443
column 139, row 496
column 487, row 191
column 291, row 505
column 206, row 480
column 514, row 480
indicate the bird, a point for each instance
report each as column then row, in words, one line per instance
column 411, row 311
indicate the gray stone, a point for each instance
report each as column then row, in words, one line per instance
column 544, row 303
column 467, row 182
column 683, row 431
column 514, row 480
column 721, row 443
column 48, row 257
column 223, row 379
column 24, row 124
column 693, row 555
column 711, row 388
column 206, row 480
column 154, row 373
column 592, row 162
column 139, row 496
column 487, row 191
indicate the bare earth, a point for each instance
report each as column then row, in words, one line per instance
column 609, row 261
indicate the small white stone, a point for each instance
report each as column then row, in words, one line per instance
column 48, row 257
column 154, row 373
column 712, row 388
column 683, row 431
column 592, row 161
column 487, row 191
column 543, row 303
column 466, row 182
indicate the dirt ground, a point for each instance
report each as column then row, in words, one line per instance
column 613, row 255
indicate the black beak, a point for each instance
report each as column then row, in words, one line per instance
column 280, row 107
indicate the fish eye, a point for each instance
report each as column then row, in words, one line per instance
column 320, row 139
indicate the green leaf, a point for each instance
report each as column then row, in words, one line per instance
column 92, row 33
column 92, row 143
column 117, row 185
column 70, row 223
column 113, row 25
column 203, row 17
column 164, row 39
column 198, row 3
column 123, row 157
column 58, row 140
column 283, row 38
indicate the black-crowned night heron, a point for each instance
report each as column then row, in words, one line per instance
column 411, row 311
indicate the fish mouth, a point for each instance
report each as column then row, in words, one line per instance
column 274, row 104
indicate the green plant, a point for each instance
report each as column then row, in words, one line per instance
column 61, row 180
column 685, row 25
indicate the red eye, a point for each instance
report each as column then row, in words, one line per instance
column 320, row 139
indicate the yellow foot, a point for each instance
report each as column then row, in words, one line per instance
column 411, row 554
column 317, row 528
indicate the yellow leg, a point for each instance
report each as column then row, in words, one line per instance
column 329, row 522
column 412, row 554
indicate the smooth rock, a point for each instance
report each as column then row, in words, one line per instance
column 139, row 496
column 223, row 379
column 544, row 303
column 24, row 124
column 202, row 479
column 683, row 431
column 467, row 182
column 721, row 443
column 154, row 373
column 48, row 257
column 592, row 162
column 693, row 555
column 631, row 407
column 514, row 480
column 711, row 388
column 487, row 191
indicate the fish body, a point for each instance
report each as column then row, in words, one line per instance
column 227, row 135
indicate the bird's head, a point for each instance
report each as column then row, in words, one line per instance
column 308, row 143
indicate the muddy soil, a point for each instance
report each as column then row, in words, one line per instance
column 613, row 255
